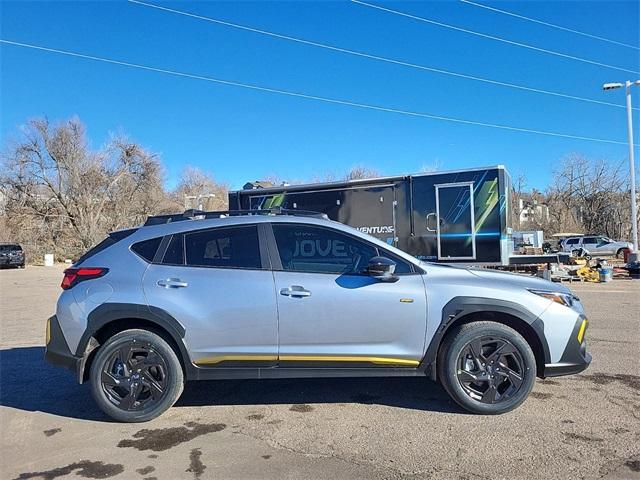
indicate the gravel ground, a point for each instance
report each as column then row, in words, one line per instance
column 584, row 426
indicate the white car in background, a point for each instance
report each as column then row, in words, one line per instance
column 595, row 245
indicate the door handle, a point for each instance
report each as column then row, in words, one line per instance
column 428, row 217
column 295, row 291
column 172, row 283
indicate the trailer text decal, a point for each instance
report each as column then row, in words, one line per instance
column 376, row 230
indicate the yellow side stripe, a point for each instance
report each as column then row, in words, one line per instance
column 378, row 360
column 583, row 328
column 306, row 358
column 236, row 358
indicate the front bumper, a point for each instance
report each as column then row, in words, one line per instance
column 575, row 358
column 57, row 351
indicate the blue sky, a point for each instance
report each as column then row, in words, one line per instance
column 240, row 135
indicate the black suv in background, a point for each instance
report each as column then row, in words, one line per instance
column 11, row 255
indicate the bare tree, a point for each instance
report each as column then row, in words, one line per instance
column 585, row 196
column 196, row 188
column 590, row 192
column 67, row 196
column 359, row 172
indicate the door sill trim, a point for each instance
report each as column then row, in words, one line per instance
column 235, row 373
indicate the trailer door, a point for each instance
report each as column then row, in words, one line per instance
column 455, row 228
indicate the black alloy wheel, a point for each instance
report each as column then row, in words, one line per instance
column 486, row 367
column 490, row 369
column 134, row 376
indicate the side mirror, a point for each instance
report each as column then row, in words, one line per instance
column 382, row 269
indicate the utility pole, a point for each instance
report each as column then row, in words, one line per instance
column 632, row 177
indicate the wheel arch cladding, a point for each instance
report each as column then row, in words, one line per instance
column 110, row 318
column 461, row 310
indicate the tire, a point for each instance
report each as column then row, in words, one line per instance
column 140, row 385
column 493, row 388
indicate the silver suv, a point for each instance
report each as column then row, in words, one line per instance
column 274, row 295
column 595, row 245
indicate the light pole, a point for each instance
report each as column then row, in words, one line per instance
column 198, row 199
column 634, row 209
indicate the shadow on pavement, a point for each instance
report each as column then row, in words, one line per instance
column 416, row 393
column 27, row 382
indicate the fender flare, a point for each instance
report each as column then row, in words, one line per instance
column 110, row 312
column 461, row 306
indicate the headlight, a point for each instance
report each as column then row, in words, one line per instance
column 566, row 299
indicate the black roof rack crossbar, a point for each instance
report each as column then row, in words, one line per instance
column 200, row 214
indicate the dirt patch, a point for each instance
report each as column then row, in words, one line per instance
column 145, row 470
column 165, row 438
column 541, row 395
column 255, row 416
column 52, row 432
column 266, row 457
column 568, row 421
column 83, row 468
column 196, row 466
column 550, row 382
column 582, row 438
column 633, row 465
column 631, row 381
column 153, row 455
column 301, row 408
column 618, row 430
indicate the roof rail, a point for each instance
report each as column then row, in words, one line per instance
column 193, row 214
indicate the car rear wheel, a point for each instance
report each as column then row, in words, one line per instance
column 486, row 367
column 136, row 376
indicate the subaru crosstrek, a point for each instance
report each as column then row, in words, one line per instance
column 229, row 296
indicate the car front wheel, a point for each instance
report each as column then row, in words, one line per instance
column 136, row 376
column 486, row 367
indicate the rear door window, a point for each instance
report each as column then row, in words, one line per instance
column 225, row 247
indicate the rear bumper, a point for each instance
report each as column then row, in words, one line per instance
column 9, row 262
column 575, row 358
column 57, row 351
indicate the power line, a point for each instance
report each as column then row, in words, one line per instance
column 306, row 96
column 553, row 25
column 376, row 57
column 491, row 37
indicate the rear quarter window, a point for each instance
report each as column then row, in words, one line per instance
column 112, row 238
column 147, row 249
column 174, row 255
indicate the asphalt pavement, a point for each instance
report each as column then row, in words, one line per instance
column 584, row 426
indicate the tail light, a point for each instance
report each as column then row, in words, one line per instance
column 73, row 276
